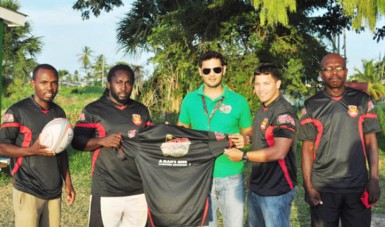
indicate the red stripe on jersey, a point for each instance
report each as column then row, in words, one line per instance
column 102, row 133
column 150, row 217
column 148, row 123
column 270, row 141
column 288, row 128
column 121, row 107
column 26, row 143
column 270, row 135
column 361, row 131
column 337, row 98
column 205, row 211
column 319, row 126
column 285, row 172
column 8, row 125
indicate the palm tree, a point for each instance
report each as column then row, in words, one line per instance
column 85, row 60
column 19, row 54
column 100, row 68
column 372, row 75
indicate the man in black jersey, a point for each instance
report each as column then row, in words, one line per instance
column 338, row 130
column 117, row 197
column 38, row 174
column 274, row 177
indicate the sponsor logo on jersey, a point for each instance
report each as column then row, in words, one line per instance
column 82, row 117
column 370, row 105
column 220, row 136
column 264, row 123
column 353, row 111
column 225, row 108
column 176, row 163
column 176, row 147
column 136, row 119
column 131, row 133
column 8, row 118
column 303, row 111
column 285, row 119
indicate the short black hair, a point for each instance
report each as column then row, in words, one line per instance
column 44, row 66
column 112, row 73
column 212, row 54
column 121, row 67
column 268, row 68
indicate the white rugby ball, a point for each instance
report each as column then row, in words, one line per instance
column 57, row 135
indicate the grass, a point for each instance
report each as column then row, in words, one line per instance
column 80, row 165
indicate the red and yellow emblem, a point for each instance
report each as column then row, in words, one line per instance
column 136, row 119
column 353, row 111
column 264, row 123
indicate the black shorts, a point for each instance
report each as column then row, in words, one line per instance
column 345, row 206
column 95, row 219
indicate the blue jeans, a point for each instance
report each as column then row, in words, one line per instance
column 227, row 195
column 270, row 211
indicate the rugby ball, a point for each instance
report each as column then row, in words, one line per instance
column 57, row 135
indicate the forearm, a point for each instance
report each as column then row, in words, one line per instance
column 13, row 151
column 307, row 163
column 372, row 154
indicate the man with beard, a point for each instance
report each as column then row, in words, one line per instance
column 214, row 107
column 338, row 130
column 38, row 174
column 117, row 197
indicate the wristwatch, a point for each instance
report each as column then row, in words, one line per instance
column 244, row 157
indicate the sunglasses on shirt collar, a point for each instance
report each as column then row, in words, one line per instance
column 206, row 71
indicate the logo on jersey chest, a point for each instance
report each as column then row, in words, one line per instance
column 136, row 119
column 131, row 133
column 220, row 136
column 175, row 147
column 353, row 111
column 82, row 117
column 8, row 118
column 264, row 124
column 226, row 109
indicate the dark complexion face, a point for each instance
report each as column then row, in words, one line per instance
column 120, row 87
column 45, row 85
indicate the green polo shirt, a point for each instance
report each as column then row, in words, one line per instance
column 231, row 116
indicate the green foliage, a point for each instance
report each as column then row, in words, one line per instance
column 273, row 12
column 372, row 74
column 20, row 49
column 363, row 10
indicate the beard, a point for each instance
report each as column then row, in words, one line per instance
column 119, row 99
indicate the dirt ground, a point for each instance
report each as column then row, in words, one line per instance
column 378, row 220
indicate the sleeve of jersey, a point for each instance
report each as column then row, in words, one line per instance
column 371, row 122
column 285, row 126
column 84, row 130
column 10, row 128
column 307, row 128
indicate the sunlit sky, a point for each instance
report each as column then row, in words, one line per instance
column 64, row 35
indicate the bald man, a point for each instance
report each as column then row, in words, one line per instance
column 338, row 128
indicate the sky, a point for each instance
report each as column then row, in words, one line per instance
column 65, row 34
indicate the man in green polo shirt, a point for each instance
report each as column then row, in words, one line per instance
column 214, row 107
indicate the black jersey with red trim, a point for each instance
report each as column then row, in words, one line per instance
column 337, row 125
column 111, row 176
column 39, row 176
column 278, row 119
column 176, row 165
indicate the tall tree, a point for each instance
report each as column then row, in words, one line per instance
column 100, row 69
column 19, row 54
column 372, row 74
column 85, row 61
